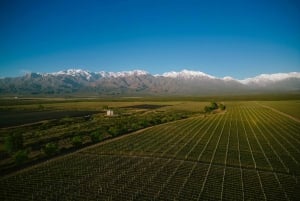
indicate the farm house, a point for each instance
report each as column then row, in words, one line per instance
column 110, row 113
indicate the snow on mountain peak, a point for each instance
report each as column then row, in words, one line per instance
column 228, row 78
column 267, row 78
column 74, row 72
column 262, row 79
column 123, row 73
column 186, row 74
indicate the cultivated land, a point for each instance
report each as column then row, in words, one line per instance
column 51, row 127
column 249, row 152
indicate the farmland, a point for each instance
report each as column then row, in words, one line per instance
column 51, row 127
column 249, row 152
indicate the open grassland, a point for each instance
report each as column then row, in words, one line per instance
column 250, row 152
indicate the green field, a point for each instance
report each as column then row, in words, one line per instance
column 250, row 152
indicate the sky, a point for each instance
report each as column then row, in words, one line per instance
column 221, row 38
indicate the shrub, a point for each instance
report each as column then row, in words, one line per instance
column 144, row 123
column 51, row 148
column 76, row 141
column 96, row 136
column 135, row 126
column 213, row 106
column 114, row 131
column 222, row 107
column 20, row 157
column 207, row 109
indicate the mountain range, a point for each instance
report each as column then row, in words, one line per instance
column 139, row 82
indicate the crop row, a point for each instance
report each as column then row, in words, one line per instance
column 248, row 153
column 241, row 135
column 92, row 177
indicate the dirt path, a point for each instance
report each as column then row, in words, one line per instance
column 279, row 112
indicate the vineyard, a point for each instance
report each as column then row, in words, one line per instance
column 249, row 152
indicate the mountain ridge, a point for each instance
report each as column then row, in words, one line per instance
column 185, row 82
column 186, row 74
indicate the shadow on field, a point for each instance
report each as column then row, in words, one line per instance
column 14, row 118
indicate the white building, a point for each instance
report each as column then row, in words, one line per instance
column 110, row 113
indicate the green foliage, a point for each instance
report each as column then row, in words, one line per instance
column 51, row 148
column 207, row 109
column 96, row 136
column 114, row 130
column 143, row 122
column 76, row 141
column 13, row 142
column 135, row 126
column 213, row 106
column 20, row 157
column 222, row 106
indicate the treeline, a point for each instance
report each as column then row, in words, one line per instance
column 132, row 123
column 67, row 134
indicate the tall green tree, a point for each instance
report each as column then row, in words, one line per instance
column 14, row 142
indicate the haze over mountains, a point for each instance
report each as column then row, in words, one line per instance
column 139, row 82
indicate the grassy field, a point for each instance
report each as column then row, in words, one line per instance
column 249, row 152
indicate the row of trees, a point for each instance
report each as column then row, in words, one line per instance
column 14, row 146
column 130, row 124
column 111, row 127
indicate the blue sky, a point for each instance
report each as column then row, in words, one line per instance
column 233, row 37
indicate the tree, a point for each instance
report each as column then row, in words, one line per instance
column 76, row 141
column 213, row 105
column 20, row 157
column 135, row 126
column 50, row 149
column 207, row 109
column 222, row 107
column 114, row 131
column 14, row 142
column 96, row 136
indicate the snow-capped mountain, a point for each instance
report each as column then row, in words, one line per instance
column 265, row 79
column 228, row 78
column 123, row 73
column 73, row 72
column 187, row 74
column 185, row 82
